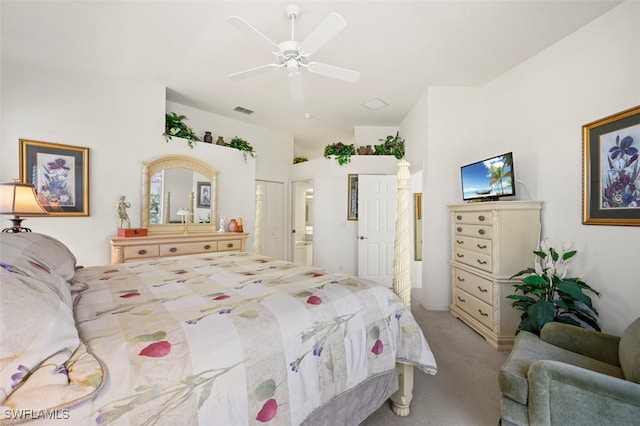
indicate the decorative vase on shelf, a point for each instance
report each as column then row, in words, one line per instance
column 207, row 137
column 240, row 225
column 221, row 141
column 233, row 225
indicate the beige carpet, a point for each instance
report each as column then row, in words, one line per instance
column 465, row 391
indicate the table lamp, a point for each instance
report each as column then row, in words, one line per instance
column 184, row 219
column 19, row 199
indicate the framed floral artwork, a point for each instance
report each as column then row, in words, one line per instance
column 203, row 200
column 611, row 170
column 60, row 174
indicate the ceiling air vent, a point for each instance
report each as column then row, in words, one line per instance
column 243, row 110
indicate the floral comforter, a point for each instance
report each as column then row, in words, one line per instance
column 234, row 339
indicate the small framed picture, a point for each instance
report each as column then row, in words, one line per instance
column 60, row 175
column 611, row 170
column 352, row 198
column 203, row 199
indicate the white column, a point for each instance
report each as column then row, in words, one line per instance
column 257, row 237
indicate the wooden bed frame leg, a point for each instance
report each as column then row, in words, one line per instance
column 402, row 398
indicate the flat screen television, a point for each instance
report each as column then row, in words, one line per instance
column 489, row 179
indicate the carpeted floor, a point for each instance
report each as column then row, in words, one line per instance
column 465, row 391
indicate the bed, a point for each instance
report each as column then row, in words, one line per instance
column 227, row 338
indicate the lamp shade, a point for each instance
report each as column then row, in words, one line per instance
column 20, row 199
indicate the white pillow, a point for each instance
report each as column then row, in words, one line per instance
column 36, row 320
column 40, row 248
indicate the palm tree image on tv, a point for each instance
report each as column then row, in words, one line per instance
column 499, row 172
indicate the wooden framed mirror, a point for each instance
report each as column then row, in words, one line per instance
column 174, row 183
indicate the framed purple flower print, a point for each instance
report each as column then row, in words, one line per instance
column 611, row 170
column 60, row 174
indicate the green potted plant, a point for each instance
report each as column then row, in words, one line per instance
column 549, row 296
column 242, row 145
column 341, row 151
column 300, row 159
column 392, row 145
column 174, row 125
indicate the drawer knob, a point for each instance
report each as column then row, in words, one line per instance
column 459, row 229
column 460, row 279
column 142, row 251
column 482, row 246
column 482, row 290
column 459, row 242
column 230, row 245
column 482, row 262
column 461, row 299
column 173, row 249
column 459, row 255
column 481, row 218
column 207, row 247
column 482, row 313
column 459, row 217
column 481, row 231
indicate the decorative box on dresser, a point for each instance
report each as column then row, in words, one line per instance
column 491, row 242
column 163, row 245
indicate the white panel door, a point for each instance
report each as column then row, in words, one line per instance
column 273, row 220
column 376, row 227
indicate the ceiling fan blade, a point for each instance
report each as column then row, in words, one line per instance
column 295, row 85
column 246, row 28
column 333, row 72
column 331, row 26
column 253, row 71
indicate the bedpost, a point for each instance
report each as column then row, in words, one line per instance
column 402, row 282
column 257, row 237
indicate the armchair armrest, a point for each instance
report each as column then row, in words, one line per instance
column 596, row 397
column 590, row 343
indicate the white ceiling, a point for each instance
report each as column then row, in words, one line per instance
column 399, row 47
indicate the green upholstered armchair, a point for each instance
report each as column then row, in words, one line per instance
column 572, row 376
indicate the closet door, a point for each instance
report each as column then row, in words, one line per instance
column 273, row 219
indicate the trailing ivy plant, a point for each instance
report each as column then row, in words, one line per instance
column 549, row 296
column 242, row 145
column 174, row 125
column 341, row 151
column 392, row 145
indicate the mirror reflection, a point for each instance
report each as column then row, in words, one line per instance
column 175, row 189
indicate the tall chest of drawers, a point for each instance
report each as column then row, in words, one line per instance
column 491, row 241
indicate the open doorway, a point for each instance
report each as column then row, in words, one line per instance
column 302, row 222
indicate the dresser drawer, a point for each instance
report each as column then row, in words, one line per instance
column 229, row 245
column 477, row 260
column 141, row 252
column 478, row 218
column 177, row 249
column 474, row 307
column 478, row 231
column 474, row 244
column 473, row 284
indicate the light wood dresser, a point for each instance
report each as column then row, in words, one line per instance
column 162, row 245
column 491, row 241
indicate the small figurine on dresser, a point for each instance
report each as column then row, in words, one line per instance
column 122, row 212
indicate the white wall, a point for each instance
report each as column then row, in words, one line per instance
column 122, row 125
column 537, row 110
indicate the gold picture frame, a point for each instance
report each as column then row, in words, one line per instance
column 611, row 170
column 60, row 174
column 352, row 198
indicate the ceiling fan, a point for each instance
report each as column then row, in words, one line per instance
column 293, row 55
